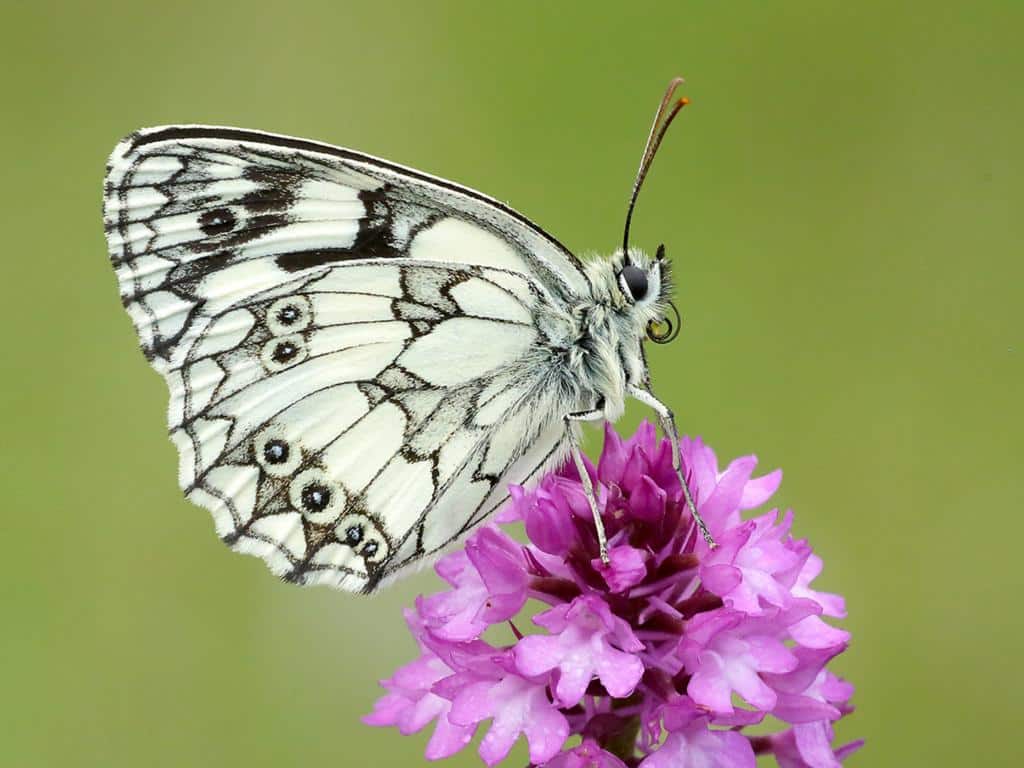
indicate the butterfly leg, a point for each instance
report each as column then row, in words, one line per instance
column 668, row 426
column 588, row 487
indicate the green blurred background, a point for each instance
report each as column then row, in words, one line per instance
column 842, row 202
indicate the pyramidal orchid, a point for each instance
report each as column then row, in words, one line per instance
column 662, row 656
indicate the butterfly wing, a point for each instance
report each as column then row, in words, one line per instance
column 200, row 216
column 344, row 398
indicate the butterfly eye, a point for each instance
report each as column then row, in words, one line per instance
column 634, row 282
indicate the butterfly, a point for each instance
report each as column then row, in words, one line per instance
column 362, row 357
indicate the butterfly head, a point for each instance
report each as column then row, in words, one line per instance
column 644, row 287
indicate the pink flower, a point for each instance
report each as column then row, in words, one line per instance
column 809, row 747
column 742, row 569
column 697, row 746
column 809, row 692
column 490, row 587
column 587, row 641
column 518, row 706
column 410, row 705
column 586, row 755
column 691, row 744
column 640, row 657
column 726, row 652
column 627, row 567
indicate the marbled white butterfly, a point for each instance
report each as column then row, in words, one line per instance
column 361, row 357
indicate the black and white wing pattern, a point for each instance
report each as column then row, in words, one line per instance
column 360, row 356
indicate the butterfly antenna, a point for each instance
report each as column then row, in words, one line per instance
column 667, row 111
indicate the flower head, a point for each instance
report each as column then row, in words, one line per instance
column 659, row 656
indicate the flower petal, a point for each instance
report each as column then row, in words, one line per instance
column 647, row 502
column 613, row 460
column 627, row 567
column 697, row 746
column 757, row 491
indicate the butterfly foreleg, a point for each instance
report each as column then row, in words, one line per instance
column 595, row 414
column 668, row 426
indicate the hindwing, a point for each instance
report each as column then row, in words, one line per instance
column 353, row 421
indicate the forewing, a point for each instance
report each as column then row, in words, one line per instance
column 198, row 218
